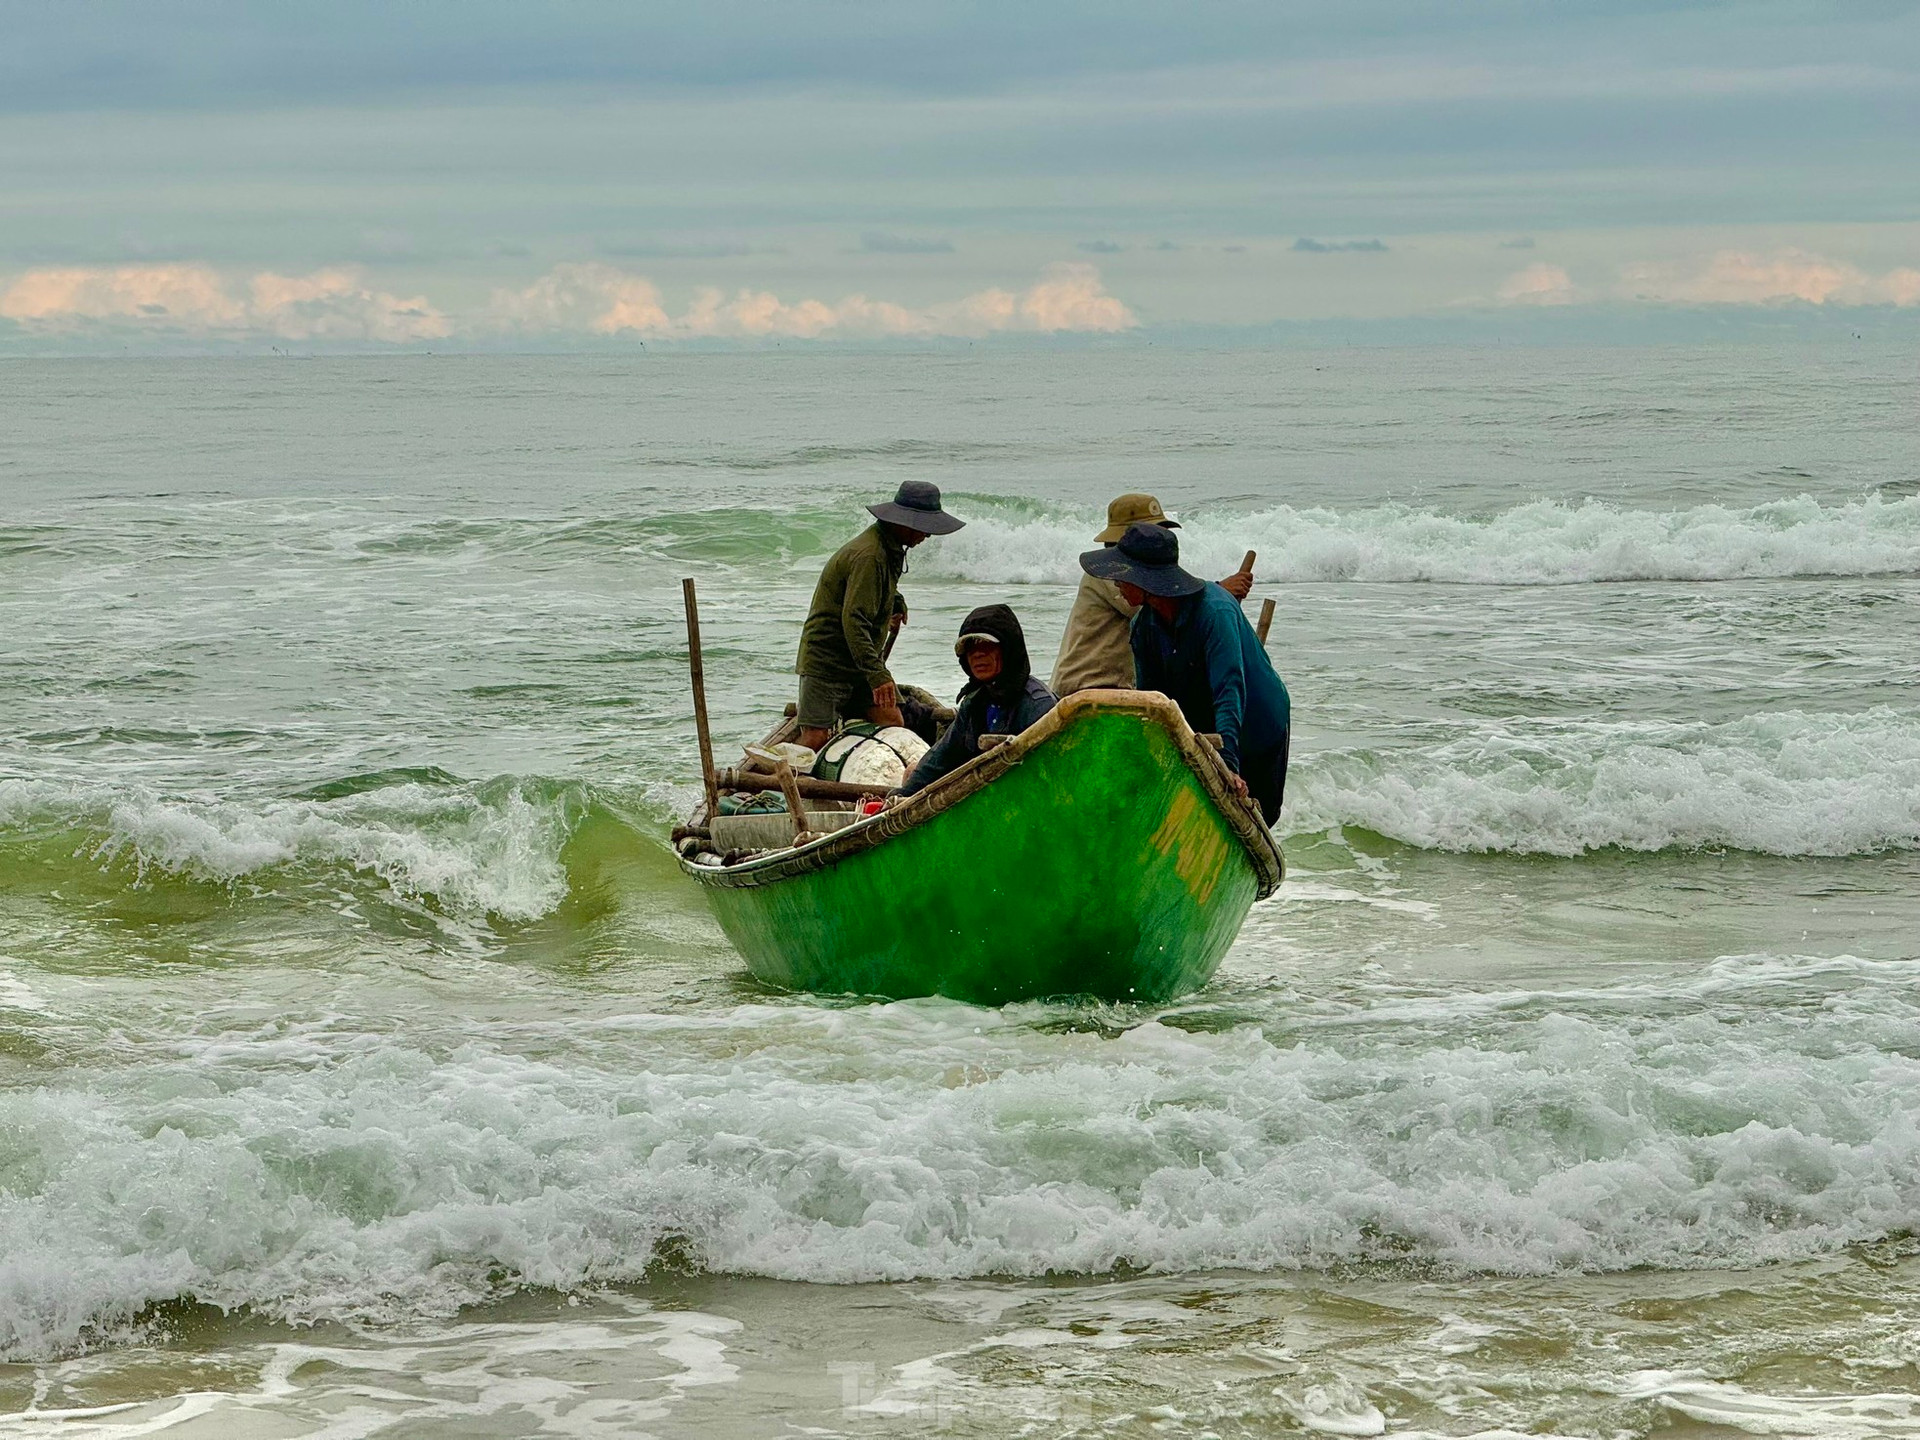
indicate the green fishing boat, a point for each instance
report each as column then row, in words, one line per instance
column 1102, row 853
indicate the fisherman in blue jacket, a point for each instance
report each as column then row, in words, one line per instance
column 1001, row 696
column 1192, row 644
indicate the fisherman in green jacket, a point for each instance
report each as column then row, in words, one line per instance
column 856, row 606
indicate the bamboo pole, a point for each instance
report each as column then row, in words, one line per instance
column 1266, row 621
column 1246, row 565
column 807, row 785
column 699, row 674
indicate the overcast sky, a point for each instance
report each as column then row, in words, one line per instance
column 440, row 172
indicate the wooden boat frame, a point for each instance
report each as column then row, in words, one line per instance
column 1240, row 813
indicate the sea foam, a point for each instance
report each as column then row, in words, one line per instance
column 1762, row 1110
column 1787, row 782
column 473, row 850
column 1544, row 542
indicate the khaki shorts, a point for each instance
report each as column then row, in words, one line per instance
column 825, row 703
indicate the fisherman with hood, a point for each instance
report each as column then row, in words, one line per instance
column 1001, row 697
column 1191, row 642
column 856, row 608
column 1094, row 653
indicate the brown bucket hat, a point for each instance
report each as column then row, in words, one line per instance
column 1134, row 510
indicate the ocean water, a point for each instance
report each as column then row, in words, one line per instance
column 367, row 1068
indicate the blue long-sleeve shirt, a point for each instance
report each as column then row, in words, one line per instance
column 977, row 716
column 1211, row 664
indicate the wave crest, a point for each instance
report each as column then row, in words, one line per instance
column 1545, row 542
column 1784, row 783
column 473, row 851
column 1760, row 1111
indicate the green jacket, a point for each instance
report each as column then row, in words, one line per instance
column 846, row 627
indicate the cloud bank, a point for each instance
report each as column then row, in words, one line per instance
column 1736, row 277
column 1538, row 285
column 602, row 300
column 198, row 302
column 1728, row 277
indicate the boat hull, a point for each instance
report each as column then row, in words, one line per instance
column 1100, row 860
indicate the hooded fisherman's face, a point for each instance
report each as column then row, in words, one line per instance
column 983, row 661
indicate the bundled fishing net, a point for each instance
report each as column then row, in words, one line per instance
column 867, row 754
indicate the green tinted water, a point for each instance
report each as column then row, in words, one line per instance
column 366, row 1067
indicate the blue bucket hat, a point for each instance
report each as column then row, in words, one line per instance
column 1147, row 556
column 916, row 505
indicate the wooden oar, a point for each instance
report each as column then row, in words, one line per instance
column 1266, row 606
column 700, row 699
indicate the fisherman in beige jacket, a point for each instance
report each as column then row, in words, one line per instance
column 1094, row 653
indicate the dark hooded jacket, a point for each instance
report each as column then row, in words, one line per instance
column 1004, row 705
column 1210, row 663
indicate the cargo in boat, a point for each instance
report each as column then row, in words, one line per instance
column 1102, row 852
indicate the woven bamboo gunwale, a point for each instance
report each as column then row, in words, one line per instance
column 1241, row 815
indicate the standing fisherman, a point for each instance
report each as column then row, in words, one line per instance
column 856, row 605
column 1094, row 653
column 1191, row 643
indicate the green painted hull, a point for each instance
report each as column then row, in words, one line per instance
column 1100, row 854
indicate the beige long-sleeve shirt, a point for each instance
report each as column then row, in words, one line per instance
column 1094, row 653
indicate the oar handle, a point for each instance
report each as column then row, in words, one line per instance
column 1246, row 565
column 1266, row 620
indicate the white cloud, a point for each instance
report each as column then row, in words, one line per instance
column 334, row 305
column 1739, row 277
column 1727, row 277
column 173, row 295
column 1072, row 298
column 1538, row 285
column 602, row 300
column 589, row 299
column 1901, row 287
column 198, row 301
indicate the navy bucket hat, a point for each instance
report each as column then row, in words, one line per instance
column 917, row 506
column 1147, row 556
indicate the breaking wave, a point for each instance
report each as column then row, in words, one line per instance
column 1011, row 539
column 1541, row 543
column 1761, row 1110
column 492, row 850
column 1789, row 782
